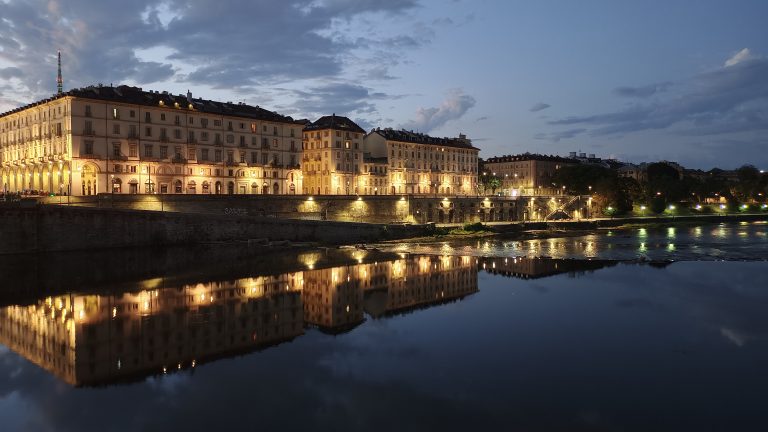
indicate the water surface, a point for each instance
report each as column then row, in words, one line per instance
column 346, row 340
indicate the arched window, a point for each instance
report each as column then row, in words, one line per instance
column 292, row 188
column 231, row 188
column 177, row 187
column 275, row 189
column 217, row 190
column 254, row 188
column 265, row 188
column 206, row 188
column 191, row 187
column 117, row 185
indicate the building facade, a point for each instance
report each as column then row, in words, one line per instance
column 127, row 140
column 333, row 156
column 419, row 164
column 526, row 174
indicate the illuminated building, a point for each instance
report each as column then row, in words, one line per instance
column 526, row 174
column 333, row 156
column 125, row 140
column 420, row 164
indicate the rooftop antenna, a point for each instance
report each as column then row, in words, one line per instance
column 59, row 80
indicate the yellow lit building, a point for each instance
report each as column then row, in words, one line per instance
column 420, row 164
column 526, row 174
column 333, row 156
column 126, row 140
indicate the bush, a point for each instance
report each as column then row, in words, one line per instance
column 474, row 227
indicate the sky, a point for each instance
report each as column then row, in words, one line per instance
column 685, row 81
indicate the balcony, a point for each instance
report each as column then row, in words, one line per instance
column 133, row 136
column 164, row 138
column 178, row 160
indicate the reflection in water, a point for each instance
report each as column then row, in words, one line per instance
column 89, row 339
column 746, row 240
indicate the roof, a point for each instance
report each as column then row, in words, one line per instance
column 138, row 96
column 528, row 157
column 335, row 122
column 420, row 138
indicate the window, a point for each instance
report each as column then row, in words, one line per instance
column 133, row 150
column 162, row 116
column 148, row 117
column 253, row 127
column 177, row 133
column 264, row 158
column 217, row 156
column 204, row 154
column 116, row 149
column 133, row 168
column 191, row 120
column 204, row 136
column 118, row 168
column 230, row 138
column 242, row 157
column 274, row 130
column 132, row 131
column 204, row 122
column 148, row 150
column 88, row 147
column 191, row 154
column 88, row 111
column 230, row 157
column 254, row 157
column 242, row 125
column 242, row 141
column 163, row 152
column 132, row 114
column 88, row 128
column 217, row 122
column 148, row 131
column 116, row 129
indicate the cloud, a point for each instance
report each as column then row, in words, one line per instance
column 557, row 136
column 728, row 99
column 240, row 45
column 338, row 97
column 453, row 107
column 739, row 57
column 642, row 92
column 539, row 107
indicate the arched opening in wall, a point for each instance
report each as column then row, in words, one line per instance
column 117, row 186
column 206, row 188
column 326, row 190
column 149, row 186
column 217, row 188
column 418, row 189
column 393, row 190
column 450, row 216
column 292, row 188
column 447, row 190
column 192, row 187
column 231, row 188
column 255, row 188
column 241, row 188
column 275, row 188
column 88, row 177
column 265, row 188
column 491, row 215
column 133, row 187
column 177, row 187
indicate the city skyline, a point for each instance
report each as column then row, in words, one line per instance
column 638, row 83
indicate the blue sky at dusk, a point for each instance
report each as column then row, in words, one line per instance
column 639, row 81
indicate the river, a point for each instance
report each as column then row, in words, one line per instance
column 657, row 328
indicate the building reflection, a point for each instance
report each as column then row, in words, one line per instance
column 538, row 267
column 160, row 327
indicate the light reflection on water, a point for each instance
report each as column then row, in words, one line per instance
column 737, row 241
